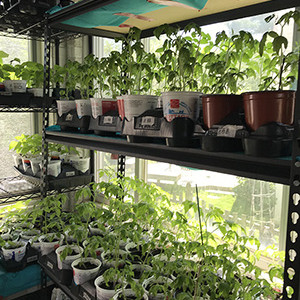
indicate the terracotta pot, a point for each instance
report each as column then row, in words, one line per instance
column 217, row 107
column 269, row 106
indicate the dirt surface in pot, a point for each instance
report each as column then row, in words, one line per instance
column 137, row 273
column 86, row 266
column 49, row 240
column 123, row 297
column 109, row 286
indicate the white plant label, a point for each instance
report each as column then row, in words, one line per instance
column 108, row 120
column 50, row 265
column 148, row 121
column 69, row 117
column 228, row 130
column 71, row 173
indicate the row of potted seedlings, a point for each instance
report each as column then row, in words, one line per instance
column 142, row 249
column 27, row 154
column 193, row 74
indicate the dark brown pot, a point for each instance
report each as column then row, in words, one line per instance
column 269, row 106
column 217, row 107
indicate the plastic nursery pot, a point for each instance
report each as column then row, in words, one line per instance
column 102, row 105
column 37, row 92
column 181, row 104
column 83, row 108
column 217, row 107
column 54, row 168
column 134, row 105
column 269, row 106
column 103, row 291
column 29, row 234
column 66, row 263
column 81, row 164
column 98, row 251
column 148, row 283
column 16, row 253
column 82, row 275
column 35, row 164
column 64, row 106
column 15, row 86
column 50, row 245
column 127, row 294
column 17, row 159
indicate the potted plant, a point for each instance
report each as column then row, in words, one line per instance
column 138, row 66
column 274, row 104
column 13, row 250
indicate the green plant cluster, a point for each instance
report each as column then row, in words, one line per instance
column 187, row 60
column 209, row 258
column 31, row 145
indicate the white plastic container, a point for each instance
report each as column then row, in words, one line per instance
column 82, row 276
column 16, row 254
column 102, row 293
column 83, row 108
column 35, row 164
column 134, row 105
column 54, row 168
column 66, row 263
column 64, row 106
column 48, row 247
column 81, row 164
column 181, row 104
column 17, row 159
column 15, row 86
column 111, row 262
column 160, row 280
column 128, row 292
column 102, row 105
column 37, row 92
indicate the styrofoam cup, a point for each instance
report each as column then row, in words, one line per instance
column 128, row 292
column 83, row 108
column 66, row 263
column 54, row 168
column 181, row 104
column 48, row 247
column 81, row 164
column 102, row 105
column 64, row 106
column 15, row 254
column 82, row 276
column 134, row 105
column 17, row 159
column 102, row 294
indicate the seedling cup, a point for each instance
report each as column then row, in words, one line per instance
column 81, row 164
column 102, row 105
column 161, row 281
column 134, row 105
column 83, row 108
column 81, row 275
column 15, row 86
column 35, row 164
column 127, row 293
column 104, row 292
column 64, row 106
column 54, row 167
column 15, row 254
column 29, row 234
column 50, row 246
column 181, row 104
column 17, row 159
column 37, row 92
column 66, row 263
column 26, row 163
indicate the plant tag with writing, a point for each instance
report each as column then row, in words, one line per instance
column 108, row 120
column 148, row 121
column 228, row 130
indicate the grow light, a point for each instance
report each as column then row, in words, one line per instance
column 118, row 16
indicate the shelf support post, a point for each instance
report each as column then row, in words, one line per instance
column 292, row 249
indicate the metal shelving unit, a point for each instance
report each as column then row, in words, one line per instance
column 277, row 170
column 24, row 109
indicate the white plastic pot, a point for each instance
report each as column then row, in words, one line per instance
column 181, row 104
column 102, row 293
column 127, row 292
column 102, row 105
column 134, row 105
column 26, row 163
column 15, row 86
column 54, row 168
column 83, row 108
column 29, row 234
column 48, row 247
column 35, row 164
column 98, row 251
column 66, row 263
column 16, row 254
column 64, row 106
column 81, row 164
column 82, row 276
column 17, row 159
column 160, row 280
column 37, row 92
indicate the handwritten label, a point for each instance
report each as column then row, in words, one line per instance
column 71, row 173
column 148, row 121
column 228, row 130
column 108, row 120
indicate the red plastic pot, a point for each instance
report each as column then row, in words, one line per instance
column 269, row 106
column 217, row 107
